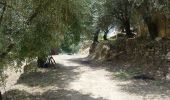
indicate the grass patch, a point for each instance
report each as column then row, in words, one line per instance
column 126, row 73
column 121, row 75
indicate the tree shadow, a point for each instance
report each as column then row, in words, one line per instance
column 97, row 64
column 127, row 84
column 144, row 88
column 49, row 95
column 82, row 61
column 85, row 61
column 59, row 76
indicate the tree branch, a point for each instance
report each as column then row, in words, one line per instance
column 9, row 48
column 3, row 11
column 31, row 17
column 5, row 4
column 37, row 11
column 2, row 3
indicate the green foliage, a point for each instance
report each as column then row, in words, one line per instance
column 70, row 43
column 36, row 26
column 126, row 73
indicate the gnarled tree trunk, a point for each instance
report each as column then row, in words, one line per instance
column 96, row 35
column 127, row 28
column 152, row 27
column 105, row 34
column 1, row 96
column 41, row 62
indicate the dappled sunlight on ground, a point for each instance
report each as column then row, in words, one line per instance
column 50, row 95
column 76, row 77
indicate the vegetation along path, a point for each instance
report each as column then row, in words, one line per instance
column 77, row 78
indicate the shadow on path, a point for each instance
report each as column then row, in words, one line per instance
column 130, row 86
column 144, row 88
column 49, row 95
column 60, row 77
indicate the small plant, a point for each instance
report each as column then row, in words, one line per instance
column 121, row 74
column 126, row 73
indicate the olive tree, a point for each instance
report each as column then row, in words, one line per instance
column 30, row 28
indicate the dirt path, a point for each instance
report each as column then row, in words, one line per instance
column 76, row 78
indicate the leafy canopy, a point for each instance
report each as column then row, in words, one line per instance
column 30, row 28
